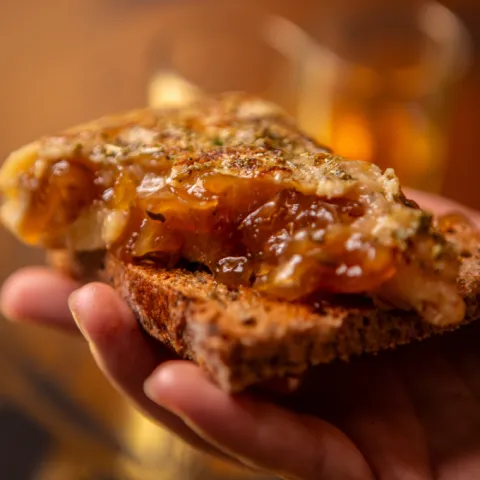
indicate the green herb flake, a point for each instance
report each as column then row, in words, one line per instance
column 424, row 223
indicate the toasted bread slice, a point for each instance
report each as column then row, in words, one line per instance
column 232, row 184
column 307, row 250
column 242, row 338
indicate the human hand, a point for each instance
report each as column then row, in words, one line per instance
column 413, row 414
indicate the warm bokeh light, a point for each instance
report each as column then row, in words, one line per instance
column 351, row 137
column 168, row 89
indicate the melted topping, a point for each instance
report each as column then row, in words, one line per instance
column 230, row 184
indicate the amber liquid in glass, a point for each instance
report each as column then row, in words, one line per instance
column 382, row 99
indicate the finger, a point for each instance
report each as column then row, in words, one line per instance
column 124, row 353
column 259, row 433
column 38, row 295
column 441, row 205
column 447, row 408
column 366, row 399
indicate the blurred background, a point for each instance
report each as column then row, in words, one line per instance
column 397, row 83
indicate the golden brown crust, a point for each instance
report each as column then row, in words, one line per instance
column 467, row 239
column 242, row 338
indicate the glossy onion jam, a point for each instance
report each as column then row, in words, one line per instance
column 245, row 231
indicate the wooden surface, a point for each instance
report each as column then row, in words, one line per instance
column 66, row 61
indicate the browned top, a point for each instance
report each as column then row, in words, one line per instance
column 230, row 183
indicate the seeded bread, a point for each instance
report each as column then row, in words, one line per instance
column 242, row 338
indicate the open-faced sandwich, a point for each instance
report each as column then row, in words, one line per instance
column 238, row 241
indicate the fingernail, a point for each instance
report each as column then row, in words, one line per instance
column 12, row 317
column 150, row 385
column 4, row 312
column 153, row 387
column 73, row 301
column 153, row 391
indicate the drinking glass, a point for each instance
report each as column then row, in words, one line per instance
column 378, row 83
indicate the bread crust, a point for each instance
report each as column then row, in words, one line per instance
column 242, row 338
